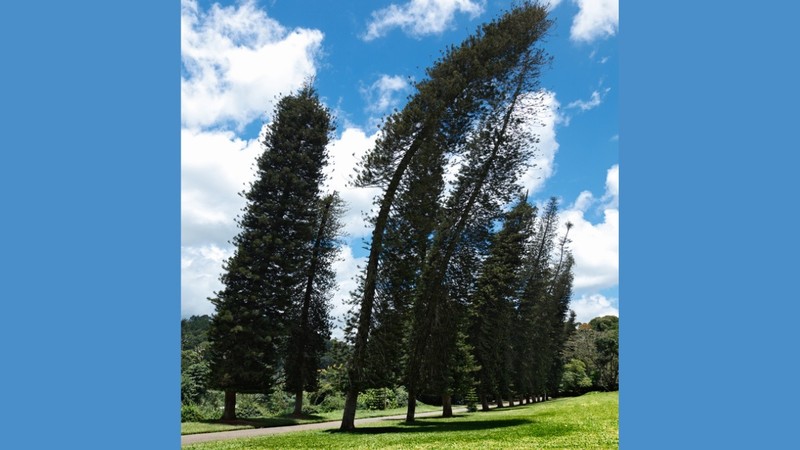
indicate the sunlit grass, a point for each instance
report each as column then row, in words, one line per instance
column 590, row 421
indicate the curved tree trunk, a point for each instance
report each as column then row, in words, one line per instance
column 370, row 280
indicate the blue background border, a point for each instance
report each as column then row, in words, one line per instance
column 91, row 224
column 709, row 99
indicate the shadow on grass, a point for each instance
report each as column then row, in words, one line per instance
column 434, row 425
column 268, row 422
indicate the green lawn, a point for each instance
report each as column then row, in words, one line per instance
column 586, row 422
column 211, row 426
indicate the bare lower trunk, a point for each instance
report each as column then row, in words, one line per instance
column 510, row 401
column 484, row 403
column 447, row 407
column 230, row 406
column 499, row 401
column 412, row 405
column 349, row 416
column 298, row 404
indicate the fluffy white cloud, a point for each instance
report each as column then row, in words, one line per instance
column 385, row 93
column 611, row 197
column 200, row 270
column 345, row 153
column 215, row 167
column 236, row 60
column 420, row 17
column 587, row 307
column 346, row 268
column 543, row 124
column 595, row 246
column 595, row 19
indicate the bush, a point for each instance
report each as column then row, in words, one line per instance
column 471, row 399
column 248, row 410
column 400, row 397
column 332, row 402
column 191, row 413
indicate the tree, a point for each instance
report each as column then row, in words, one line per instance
column 437, row 119
column 607, row 345
column 311, row 322
column 268, row 271
column 493, row 305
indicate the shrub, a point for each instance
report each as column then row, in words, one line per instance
column 191, row 413
column 248, row 410
column 332, row 402
column 471, row 399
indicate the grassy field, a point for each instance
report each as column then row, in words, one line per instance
column 586, row 422
column 210, row 426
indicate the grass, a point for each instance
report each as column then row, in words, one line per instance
column 210, row 426
column 586, row 422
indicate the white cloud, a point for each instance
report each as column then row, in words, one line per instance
column 585, row 199
column 542, row 124
column 215, row 167
column 611, row 197
column 595, row 246
column 236, row 60
column 345, row 153
column 200, row 270
column 346, row 268
column 420, row 17
column 383, row 95
column 587, row 307
column 594, row 101
column 595, row 19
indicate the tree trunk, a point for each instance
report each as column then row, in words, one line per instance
column 510, row 400
column 447, row 407
column 499, row 401
column 484, row 403
column 412, row 405
column 349, row 416
column 298, row 404
column 358, row 361
column 230, row 406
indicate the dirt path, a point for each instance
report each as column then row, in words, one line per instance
column 251, row 432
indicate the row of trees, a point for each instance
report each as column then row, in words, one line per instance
column 411, row 320
column 459, row 296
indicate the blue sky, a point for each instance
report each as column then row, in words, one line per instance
column 238, row 57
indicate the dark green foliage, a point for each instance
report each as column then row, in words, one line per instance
column 194, row 331
column 462, row 88
column 311, row 322
column 191, row 413
column 596, row 345
column 575, row 380
column 607, row 345
column 266, row 276
column 494, row 302
column 194, row 364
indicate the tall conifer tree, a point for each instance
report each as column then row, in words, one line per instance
column 438, row 119
column 268, row 271
column 311, row 327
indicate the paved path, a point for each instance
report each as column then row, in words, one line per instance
column 251, row 432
